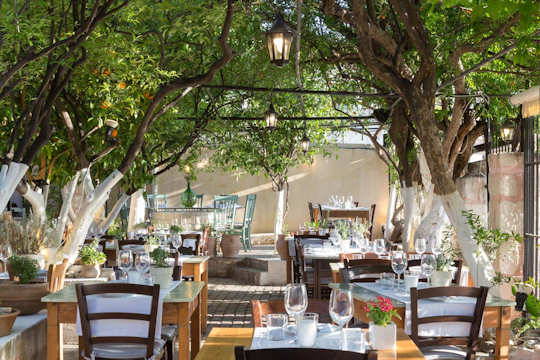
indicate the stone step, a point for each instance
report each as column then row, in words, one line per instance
column 274, row 274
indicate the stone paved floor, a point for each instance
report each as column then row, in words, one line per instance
column 229, row 305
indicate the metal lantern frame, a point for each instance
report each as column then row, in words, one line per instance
column 507, row 130
column 271, row 117
column 279, row 40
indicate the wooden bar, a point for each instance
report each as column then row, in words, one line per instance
column 197, row 267
column 221, row 342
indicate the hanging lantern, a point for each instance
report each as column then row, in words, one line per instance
column 507, row 130
column 305, row 144
column 271, row 117
column 111, row 129
column 279, row 39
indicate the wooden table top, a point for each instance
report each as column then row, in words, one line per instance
column 221, row 342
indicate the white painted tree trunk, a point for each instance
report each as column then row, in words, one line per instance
column 10, row 176
column 280, row 213
column 408, row 196
column 481, row 268
column 91, row 204
column 37, row 201
column 104, row 226
column 389, row 227
column 68, row 192
column 434, row 222
column 137, row 207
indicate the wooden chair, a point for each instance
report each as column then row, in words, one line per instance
column 364, row 270
column 448, row 347
column 249, row 210
column 371, row 218
column 241, row 353
column 357, row 255
column 303, row 272
column 225, row 204
column 119, row 347
column 131, row 242
column 259, row 309
column 187, row 250
column 311, row 214
column 56, row 275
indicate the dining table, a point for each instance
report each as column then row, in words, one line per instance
column 197, row 266
column 181, row 307
column 221, row 342
column 497, row 313
column 333, row 212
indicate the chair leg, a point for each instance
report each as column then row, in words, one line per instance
column 169, row 348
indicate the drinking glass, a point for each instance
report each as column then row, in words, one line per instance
column 125, row 260
column 176, row 241
column 380, row 247
column 275, row 326
column 363, row 246
column 399, row 263
column 5, row 253
column 296, row 299
column 436, row 245
column 307, row 329
column 420, row 246
column 142, row 264
column 341, row 308
column 428, row 264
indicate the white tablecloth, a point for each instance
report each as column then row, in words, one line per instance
column 327, row 338
column 328, row 207
column 127, row 304
column 454, row 305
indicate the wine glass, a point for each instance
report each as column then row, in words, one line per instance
column 125, row 259
column 363, row 246
column 436, row 245
column 176, row 241
column 296, row 299
column 428, row 264
column 5, row 253
column 399, row 263
column 380, row 247
column 142, row 263
column 420, row 246
column 341, row 309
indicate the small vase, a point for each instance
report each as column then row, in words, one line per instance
column 441, row 278
column 189, row 198
column 382, row 337
column 91, row 271
column 162, row 276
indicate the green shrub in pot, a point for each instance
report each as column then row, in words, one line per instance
column 91, row 258
column 23, row 268
column 161, row 271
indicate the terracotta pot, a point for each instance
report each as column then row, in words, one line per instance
column 91, row 271
column 212, row 245
column 25, row 297
column 282, row 246
column 230, row 245
column 7, row 320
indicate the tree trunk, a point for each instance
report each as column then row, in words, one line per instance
column 113, row 213
column 481, row 268
column 281, row 209
column 10, row 176
column 85, row 217
column 435, row 220
column 137, row 209
column 389, row 227
column 36, row 200
column 408, row 196
column 68, row 192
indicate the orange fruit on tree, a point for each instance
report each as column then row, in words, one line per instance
column 122, row 85
column 105, row 105
column 106, row 72
column 148, row 96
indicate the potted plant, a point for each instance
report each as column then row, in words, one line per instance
column 7, row 318
column 443, row 273
column 231, row 243
column 382, row 330
column 161, row 270
column 211, row 241
column 25, row 293
column 91, row 259
column 152, row 243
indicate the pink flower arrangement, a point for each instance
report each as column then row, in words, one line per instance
column 381, row 312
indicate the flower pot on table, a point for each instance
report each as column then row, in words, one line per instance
column 162, row 276
column 91, row 271
column 382, row 337
column 441, row 278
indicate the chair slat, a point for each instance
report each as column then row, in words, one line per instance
column 118, row 316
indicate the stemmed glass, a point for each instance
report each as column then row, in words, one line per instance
column 5, row 254
column 420, row 246
column 176, row 242
column 399, row 263
column 341, row 309
column 380, row 247
column 436, row 245
column 296, row 299
column 363, row 246
column 142, row 264
column 428, row 265
column 125, row 260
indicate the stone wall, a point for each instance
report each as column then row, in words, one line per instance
column 357, row 172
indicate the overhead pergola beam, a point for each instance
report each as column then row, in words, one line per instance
column 335, row 93
column 288, row 118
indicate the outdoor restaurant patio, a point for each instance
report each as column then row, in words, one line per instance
column 256, row 180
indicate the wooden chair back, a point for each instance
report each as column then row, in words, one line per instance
column 259, row 309
column 364, row 270
column 241, row 353
column 475, row 319
column 356, row 256
column 131, row 242
column 311, row 214
column 187, row 250
column 56, row 275
column 114, row 288
column 371, row 219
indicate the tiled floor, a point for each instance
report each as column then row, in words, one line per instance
column 229, row 305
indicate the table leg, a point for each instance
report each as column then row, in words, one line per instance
column 196, row 329
column 54, row 333
column 317, row 278
column 204, row 302
column 502, row 335
column 288, row 264
column 183, row 331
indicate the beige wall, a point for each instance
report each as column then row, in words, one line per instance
column 357, row 172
